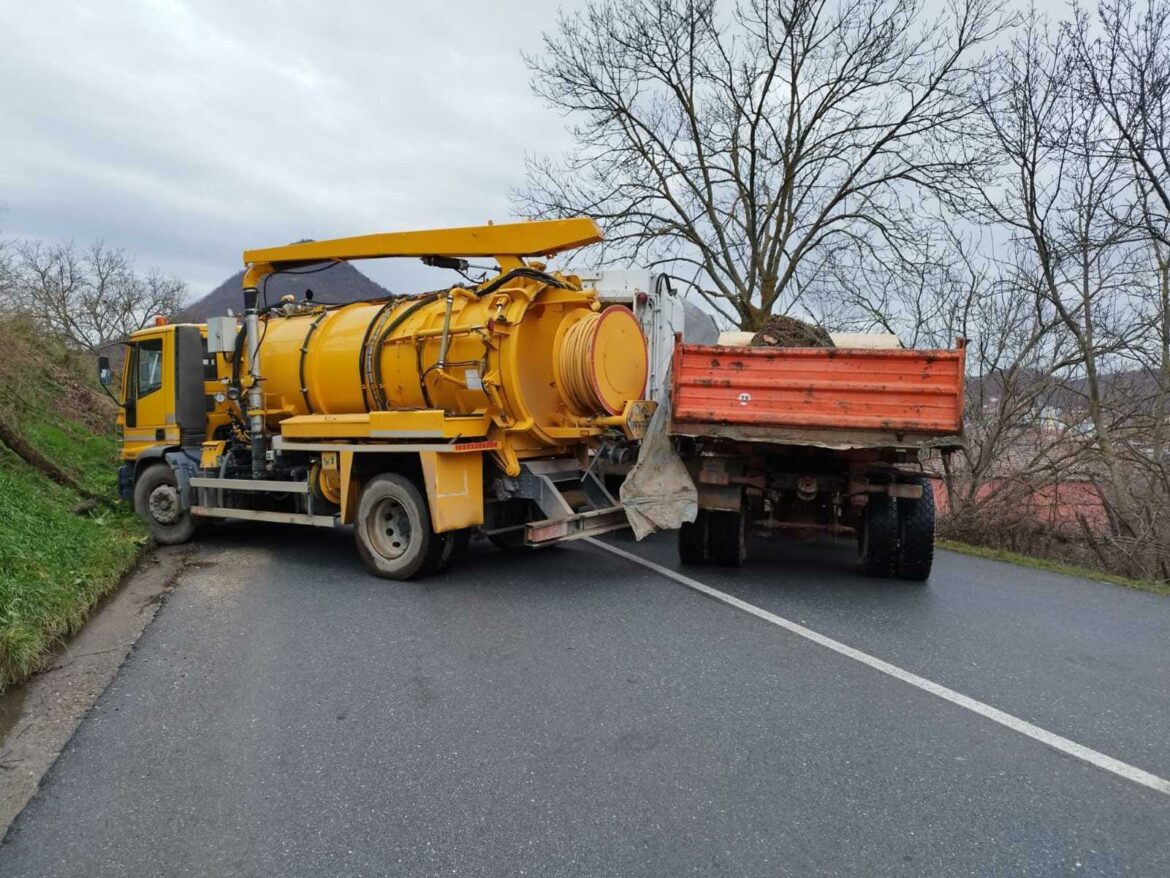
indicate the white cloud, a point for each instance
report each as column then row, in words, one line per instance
column 186, row 132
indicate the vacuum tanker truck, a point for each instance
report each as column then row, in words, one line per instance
column 415, row 419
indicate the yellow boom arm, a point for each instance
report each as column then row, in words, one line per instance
column 506, row 243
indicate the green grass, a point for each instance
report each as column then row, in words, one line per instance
column 87, row 457
column 55, row 564
column 1053, row 566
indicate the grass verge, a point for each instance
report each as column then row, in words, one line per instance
column 56, row 562
column 1052, row 566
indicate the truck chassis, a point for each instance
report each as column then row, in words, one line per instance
column 880, row 495
column 815, row 439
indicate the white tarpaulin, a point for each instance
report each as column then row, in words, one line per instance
column 658, row 494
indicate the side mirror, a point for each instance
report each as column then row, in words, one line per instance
column 105, row 376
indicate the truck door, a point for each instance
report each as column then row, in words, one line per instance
column 146, row 403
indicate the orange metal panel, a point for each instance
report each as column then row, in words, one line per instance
column 845, row 388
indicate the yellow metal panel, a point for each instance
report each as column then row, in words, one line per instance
column 414, row 424
column 211, row 454
column 432, row 422
column 350, row 488
column 539, row 238
column 454, row 485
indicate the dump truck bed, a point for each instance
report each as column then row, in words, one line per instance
column 827, row 397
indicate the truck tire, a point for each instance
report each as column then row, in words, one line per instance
column 156, row 499
column 727, row 537
column 454, row 547
column 878, row 543
column 393, row 529
column 511, row 514
column 511, row 541
column 693, row 546
column 916, row 535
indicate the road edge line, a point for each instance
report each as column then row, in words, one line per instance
column 1057, row 742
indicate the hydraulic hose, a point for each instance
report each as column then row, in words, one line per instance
column 578, row 368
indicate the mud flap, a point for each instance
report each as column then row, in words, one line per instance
column 658, row 494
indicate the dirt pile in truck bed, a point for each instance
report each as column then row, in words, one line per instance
column 781, row 331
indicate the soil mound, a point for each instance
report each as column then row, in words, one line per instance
column 781, row 331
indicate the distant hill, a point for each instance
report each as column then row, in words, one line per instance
column 336, row 284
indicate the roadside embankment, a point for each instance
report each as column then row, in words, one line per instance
column 64, row 540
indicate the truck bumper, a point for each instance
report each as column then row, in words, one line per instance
column 126, row 481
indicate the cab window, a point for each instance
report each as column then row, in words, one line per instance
column 148, row 367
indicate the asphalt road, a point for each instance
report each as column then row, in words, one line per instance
column 569, row 712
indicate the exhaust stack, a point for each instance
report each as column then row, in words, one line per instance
column 255, row 390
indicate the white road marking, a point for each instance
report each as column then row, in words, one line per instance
column 1057, row 742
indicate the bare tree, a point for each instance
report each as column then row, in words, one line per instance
column 751, row 146
column 1072, row 203
column 7, row 277
column 1123, row 67
column 92, row 297
column 1013, row 349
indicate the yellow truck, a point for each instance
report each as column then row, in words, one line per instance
column 415, row 419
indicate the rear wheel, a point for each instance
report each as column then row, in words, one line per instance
column 157, row 500
column 393, row 529
column 454, row 548
column 693, row 547
column 916, row 535
column 508, row 542
column 728, row 537
column 512, row 514
column 877, row 549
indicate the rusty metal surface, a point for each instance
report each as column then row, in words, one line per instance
column 835, row 440
column 836, row 397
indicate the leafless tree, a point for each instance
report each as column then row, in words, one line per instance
column 92, row 297
column 1123, row 68
column 1073, row 204
column 7, row 277
column 1013, row 348
column 753, row 146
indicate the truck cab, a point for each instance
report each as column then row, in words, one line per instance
column 168, row 385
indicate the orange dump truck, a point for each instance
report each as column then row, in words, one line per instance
column 815, row 438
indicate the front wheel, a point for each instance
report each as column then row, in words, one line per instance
column 393, row 529
column 157, row 500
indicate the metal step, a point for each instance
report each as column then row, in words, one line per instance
column 272, row 485
column 582, row 524
column 257, row 515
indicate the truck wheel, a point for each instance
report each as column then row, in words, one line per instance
column 508, row 542
column 916, row 535
column 878, row 546
column 454, row 547
column 510, row 514
column 156, row 499
column 693, row 546
column 727, row 537
column 393, row 529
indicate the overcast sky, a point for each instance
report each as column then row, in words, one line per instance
column 188, row 131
